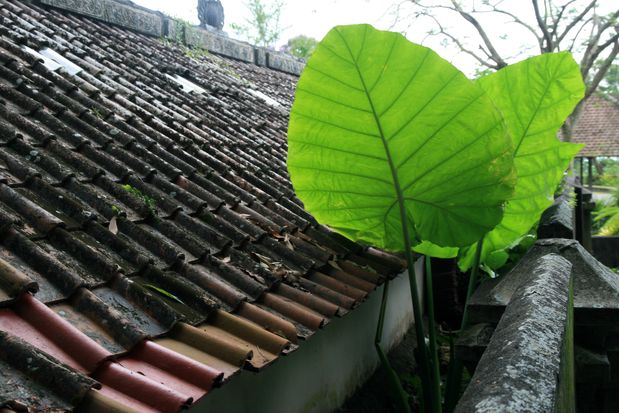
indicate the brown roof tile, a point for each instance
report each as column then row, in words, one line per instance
column 598, row 128
column 154, row 226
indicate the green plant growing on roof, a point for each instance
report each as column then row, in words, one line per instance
column 181, row 27
column 392, row 146
column 150, row 202
column 164, row 293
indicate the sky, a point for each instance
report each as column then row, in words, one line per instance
column 315, row 18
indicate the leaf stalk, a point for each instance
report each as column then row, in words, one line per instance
column 454, row 374
column 400, row 396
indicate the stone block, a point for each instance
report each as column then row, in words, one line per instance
column 219, row 44
column 260, row 56
column 557, row 221
column 126, row 15
column 596, row 287
column 519, row 370
column 284, row 63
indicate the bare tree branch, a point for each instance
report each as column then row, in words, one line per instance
column 575, row 21
column 601, row 73
column 462, row 47
column 516, row 19
column 594, row 53
column 494, row 55
column 542, row 25
column 581, row 28
column 557, row 19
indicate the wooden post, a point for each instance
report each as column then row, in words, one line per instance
column 590, row 170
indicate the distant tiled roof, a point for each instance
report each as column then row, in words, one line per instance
column 598, row 128
column 151, row 245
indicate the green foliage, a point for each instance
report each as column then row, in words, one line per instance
column 164, row 293
column 610, row 215
column 195, row 52
column 150, row 202
column 391, row 145
column 301, row 46
column 535, row 97
column 606, row 219
column 180, row 29
column 263, row 28
column 382, row 129
column 116, row 211
column 610, row 177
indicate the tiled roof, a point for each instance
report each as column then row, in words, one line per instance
column 598, row 128
column 151, row 245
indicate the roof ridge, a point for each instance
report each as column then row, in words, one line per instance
column 127, row 14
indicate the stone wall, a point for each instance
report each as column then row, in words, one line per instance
column 594, row 351
column 128, row 15
column 522, row 368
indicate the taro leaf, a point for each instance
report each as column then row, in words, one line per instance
column 378, row 121
column 535, row 97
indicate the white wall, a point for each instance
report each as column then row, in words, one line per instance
column 325, row 370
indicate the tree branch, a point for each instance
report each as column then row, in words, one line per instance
column 594, row 52
column 516, row 19
column 543, row 27
column 557, row 19
column 582, row 26
column 601, row 73
column 575, row 21
column 463, row 48
column 494, row 55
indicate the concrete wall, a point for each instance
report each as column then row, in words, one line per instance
column 324, row 371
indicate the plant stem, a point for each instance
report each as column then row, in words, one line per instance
column 454, row 374
column 472, row 284
column 436, row 375
column 426, row 384
column 399, row 394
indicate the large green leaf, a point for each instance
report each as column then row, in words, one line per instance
column 535, row 97
column 379, row 121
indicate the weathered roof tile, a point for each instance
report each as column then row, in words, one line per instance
column 598, row 128
column 140, row 212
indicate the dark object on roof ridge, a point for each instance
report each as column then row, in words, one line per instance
column 211, row 13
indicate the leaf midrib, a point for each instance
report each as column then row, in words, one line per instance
column 392, row 167
column 555, row 76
